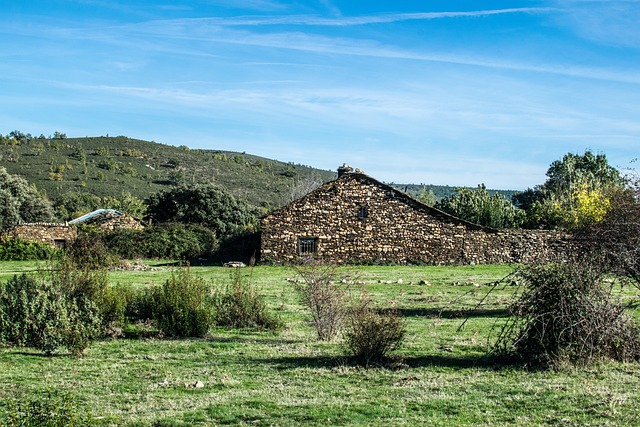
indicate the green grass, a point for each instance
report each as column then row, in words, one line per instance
column 290, row 379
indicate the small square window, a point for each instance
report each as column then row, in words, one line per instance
column 59, row 244
column 363, row 212
column 307, row 245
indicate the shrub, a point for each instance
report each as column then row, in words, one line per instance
column 240, row 306
column 48, row 409
column 87, row 286
column 22, row 250
column 39, row 314
column 173, row 241
column 114, row 302
column 325, row 299
column 178, row 241
column 89, row 251
column 371, row 336
column 181, row 307
column 565, row 315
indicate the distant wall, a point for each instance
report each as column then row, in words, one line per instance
column 356, row 219
column 119, row 222
column 57, row 235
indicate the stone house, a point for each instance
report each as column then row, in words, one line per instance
column 60, row 235
column 108, row 220
column 357, row 219
column 56, row 235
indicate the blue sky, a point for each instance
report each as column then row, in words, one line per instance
column 438, row 92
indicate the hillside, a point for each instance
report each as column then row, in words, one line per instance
column 107, row 166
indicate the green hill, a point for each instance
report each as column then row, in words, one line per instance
column 109, row 166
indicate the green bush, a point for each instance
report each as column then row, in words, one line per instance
column 240, row 306
column 46, row 410
column 114, row 303
column 41, row 315
column 171, row 241
column 22, row 250
column 181, row 307
column 371, row 336
column 89, row 251
column 178, row 241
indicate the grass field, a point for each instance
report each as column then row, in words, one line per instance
column 440, row 377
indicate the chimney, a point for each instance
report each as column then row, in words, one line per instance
column 344, row 169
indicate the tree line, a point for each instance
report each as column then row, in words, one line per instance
column 580, row 191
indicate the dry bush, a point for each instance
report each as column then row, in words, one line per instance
column 616, row 239
column 370, row 335
column 566, row 315
column 324, row 297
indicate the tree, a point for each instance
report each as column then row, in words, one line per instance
column 615, row 240
column 127, row 203
column 480, row 207
column 575, row 194
column 203, row 204
column 428, row 197
column 37, row 148
column 76, row 203
column 20, row 202
column 305, row 185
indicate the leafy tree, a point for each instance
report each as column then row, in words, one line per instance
column 204, row 204
column 427, row 196
column 127, row 203
column 76, row 203
column 20, row 202
column 480, row 207
column 575, row 194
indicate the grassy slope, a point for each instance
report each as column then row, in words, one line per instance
column 117, row 164
column 259, row 378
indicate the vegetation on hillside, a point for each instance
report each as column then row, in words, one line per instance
column 20, row 202
column 106, row 166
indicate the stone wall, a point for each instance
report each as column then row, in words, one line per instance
column 57, row 235
column 356, row 219
column 119, row 222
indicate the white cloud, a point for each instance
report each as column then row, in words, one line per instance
column 611, row 22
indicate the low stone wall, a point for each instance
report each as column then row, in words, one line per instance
column 57, row 235
column 120, row 222
column 357, row 219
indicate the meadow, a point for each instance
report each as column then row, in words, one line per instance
column 441, row 376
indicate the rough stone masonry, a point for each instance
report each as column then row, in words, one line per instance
column 356, row 219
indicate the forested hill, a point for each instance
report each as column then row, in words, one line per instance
column 109, row 166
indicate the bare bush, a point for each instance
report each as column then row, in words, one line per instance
column 566, row 315
column 370, row 335
column 324, row 297
column 616, row 239
column 305, row 185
